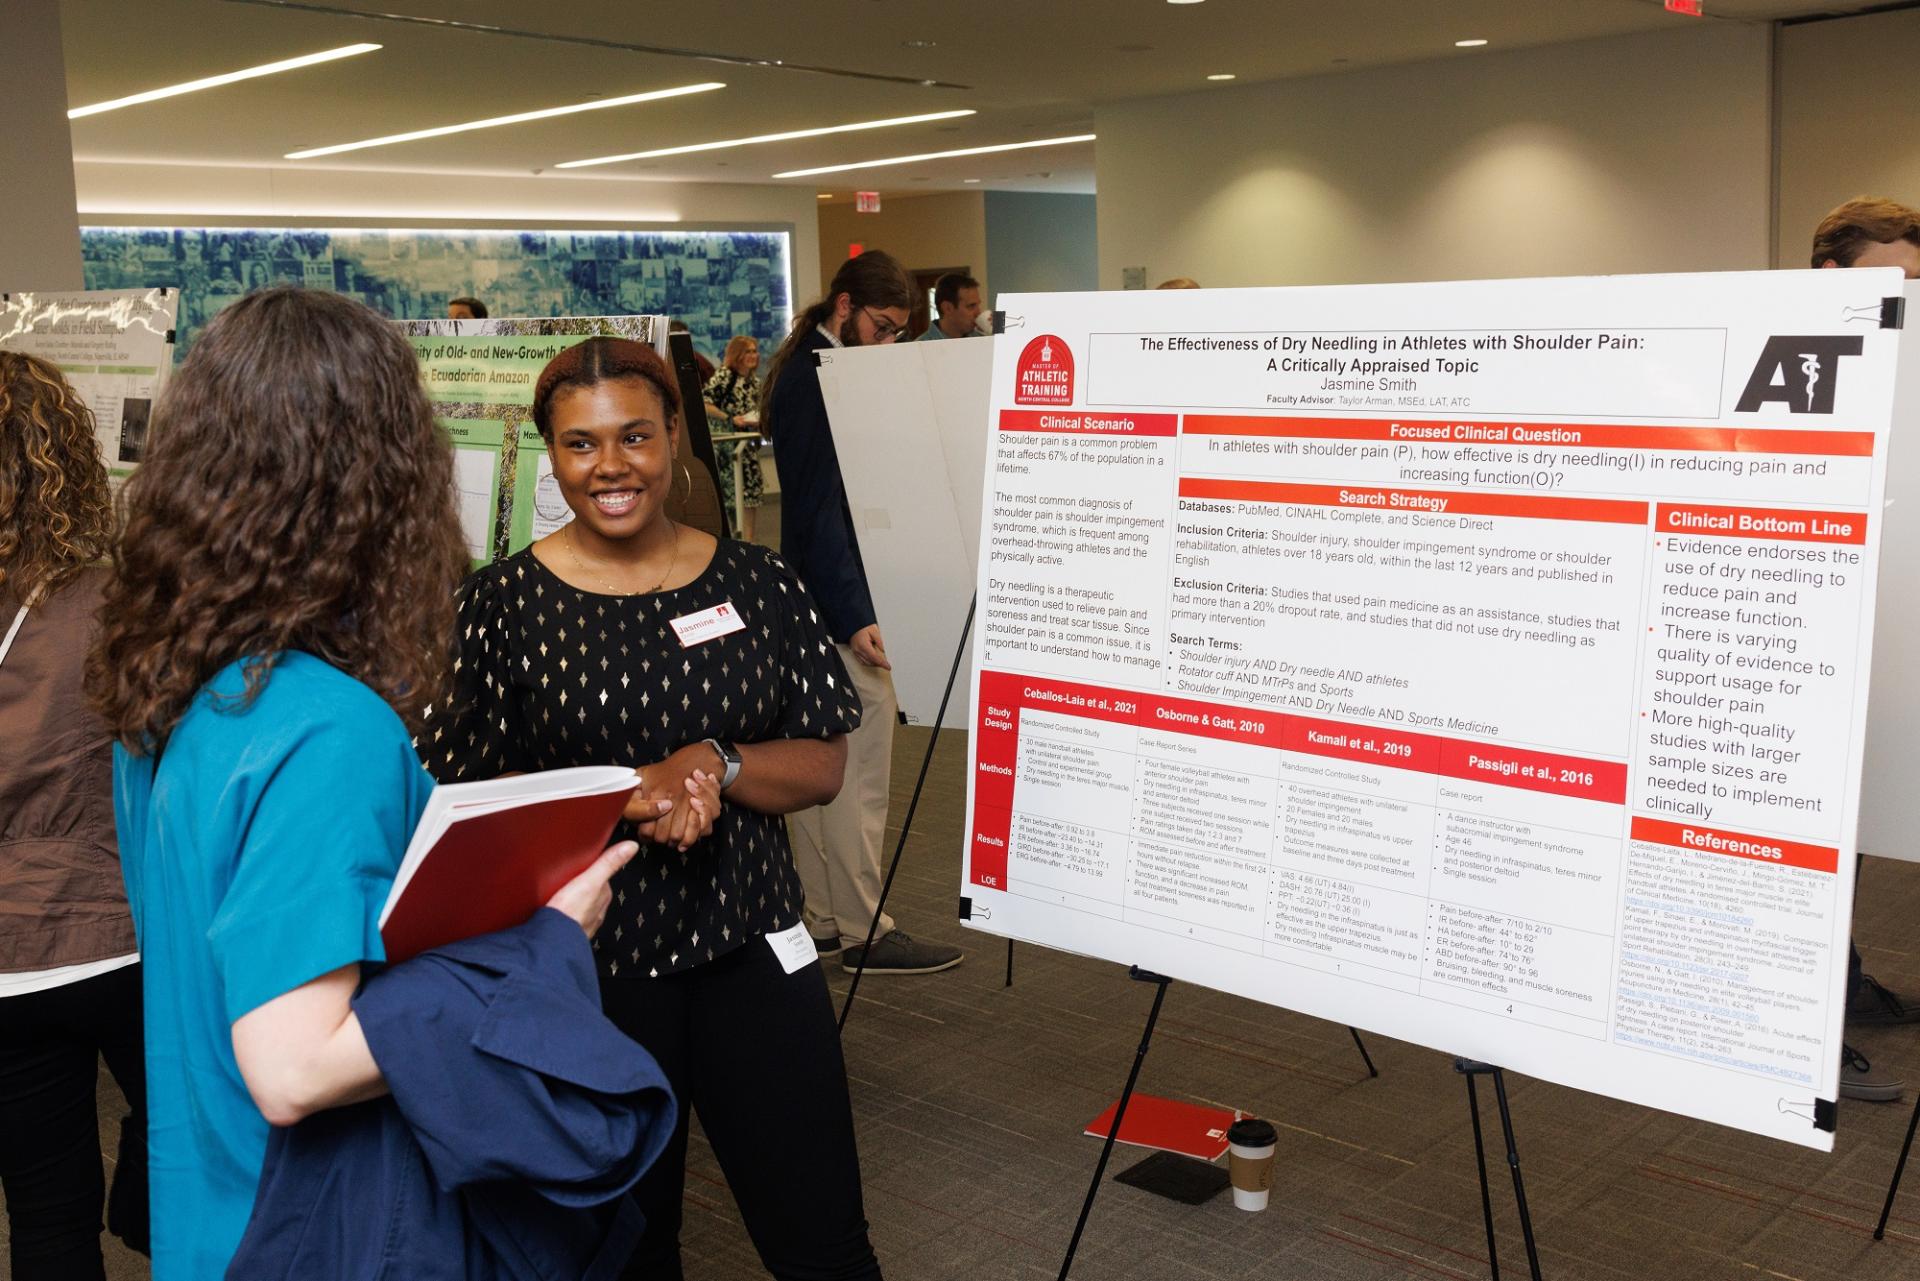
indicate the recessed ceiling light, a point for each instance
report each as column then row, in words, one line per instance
column 765, row 137
column 1223, row 75
column 917, row 44
column 1183, row 1
column 938, row 155
column 494, row 122
column 213, row 82
column 1468, row 44
column 969, row 180
column 825, row 195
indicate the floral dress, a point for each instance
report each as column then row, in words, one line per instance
column 735, row 394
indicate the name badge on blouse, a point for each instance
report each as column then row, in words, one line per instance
column 705, row 625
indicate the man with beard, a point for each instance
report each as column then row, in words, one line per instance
column 837, row 848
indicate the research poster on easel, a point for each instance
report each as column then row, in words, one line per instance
column 481, row 375
column 114, row 345
column 1482, row 664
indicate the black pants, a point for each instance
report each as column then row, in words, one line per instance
column 755, row 1052
column 51, row 1044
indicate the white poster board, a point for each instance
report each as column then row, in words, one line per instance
column 1890, row 787
column 909, row 428
column 114, row 345
column 1483, row 664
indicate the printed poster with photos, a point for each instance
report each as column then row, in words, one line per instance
column 114, row 345
column 481, row 375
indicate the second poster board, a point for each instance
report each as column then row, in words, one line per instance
column 909, row 428
column 114, row 345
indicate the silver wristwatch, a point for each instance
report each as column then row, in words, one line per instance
column 731, row 755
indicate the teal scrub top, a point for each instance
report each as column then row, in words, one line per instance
column 257, row 858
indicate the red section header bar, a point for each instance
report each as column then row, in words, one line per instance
column 1762, row 522
column 1710, row 840
column 1730, row 440
column 1439, row 502
column 1535, row 770
column 1078, row 422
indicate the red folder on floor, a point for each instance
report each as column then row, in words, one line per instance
column 1170, row 1126
column 486, row 856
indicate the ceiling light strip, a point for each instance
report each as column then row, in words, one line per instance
column 765, row 137
column 938, row 155
column 214, row 82
column 495, row 122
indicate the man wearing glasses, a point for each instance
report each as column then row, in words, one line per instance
column 839, row 848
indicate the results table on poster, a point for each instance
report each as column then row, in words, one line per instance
column 1482, row 664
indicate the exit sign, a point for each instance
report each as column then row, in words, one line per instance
column 866, row 202
column 1693, row 8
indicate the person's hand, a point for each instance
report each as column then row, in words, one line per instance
column 692, row 819
column 647, row 802
column 678, row 798
column 740, row 421
column 586, row 898
column 868, row 647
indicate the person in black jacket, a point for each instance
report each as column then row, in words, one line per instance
column 837, row 848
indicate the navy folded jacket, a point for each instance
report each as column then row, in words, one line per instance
column 519, row 1118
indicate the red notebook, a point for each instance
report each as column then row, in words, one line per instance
column 1169, row 1125
column 486, row 856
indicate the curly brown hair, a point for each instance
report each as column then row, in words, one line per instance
column 297, row 494
column 56, row 508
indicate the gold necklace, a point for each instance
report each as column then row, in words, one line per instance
column 673, row 559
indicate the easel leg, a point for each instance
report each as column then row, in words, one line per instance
column 1362, row 1047
column 1009, row 962
column 1160, row 982
column 1513, row 1163
column 906, row 824
column 1480, row 1159
column 1900, row 1168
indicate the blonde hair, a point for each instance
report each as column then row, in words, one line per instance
column 737, row 348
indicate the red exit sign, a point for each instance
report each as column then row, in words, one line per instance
column 1692, row 8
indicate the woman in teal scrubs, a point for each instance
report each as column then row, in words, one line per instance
column 272, row 635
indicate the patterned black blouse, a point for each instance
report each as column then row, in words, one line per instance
column 549, row 676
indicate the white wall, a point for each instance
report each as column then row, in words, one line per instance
column 119, row 194
column 923, row 232
column 1847, row 121
column 1632, row 154
column 39, row 239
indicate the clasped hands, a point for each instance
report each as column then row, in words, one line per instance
column 678, row 799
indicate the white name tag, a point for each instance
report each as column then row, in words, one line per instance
column 794, row 947
column 695, row 629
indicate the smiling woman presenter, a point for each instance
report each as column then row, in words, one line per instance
column 627, row 638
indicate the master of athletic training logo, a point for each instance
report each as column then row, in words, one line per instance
column 1044, row 374
column 1800, row 373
